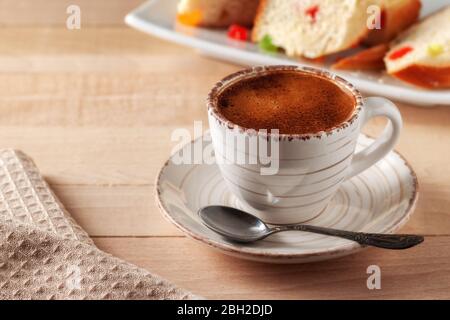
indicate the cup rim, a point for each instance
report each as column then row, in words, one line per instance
column 212, row 100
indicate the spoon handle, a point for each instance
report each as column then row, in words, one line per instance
column 386, row 241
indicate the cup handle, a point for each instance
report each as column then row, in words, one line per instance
column 375, row 107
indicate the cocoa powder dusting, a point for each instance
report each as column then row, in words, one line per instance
column 293, row 102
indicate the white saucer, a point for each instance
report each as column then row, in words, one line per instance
column 379, row 200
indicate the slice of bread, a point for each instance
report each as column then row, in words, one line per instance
column 217, row 13
column 314, row 28
column 421, row 55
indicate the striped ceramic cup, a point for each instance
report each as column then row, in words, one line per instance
column 290, row 178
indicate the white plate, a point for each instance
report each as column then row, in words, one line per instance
column 379, row 200
column 158, row 17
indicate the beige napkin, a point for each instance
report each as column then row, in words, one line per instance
column 44, row 254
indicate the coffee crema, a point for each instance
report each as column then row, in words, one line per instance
column 292, row 102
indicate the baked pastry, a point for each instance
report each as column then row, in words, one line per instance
column 421, row 55
column 314, row 28
column 217, row 13
column 369, row 59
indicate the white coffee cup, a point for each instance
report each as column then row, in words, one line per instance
column 310, row 167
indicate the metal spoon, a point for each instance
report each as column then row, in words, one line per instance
column 240, row 226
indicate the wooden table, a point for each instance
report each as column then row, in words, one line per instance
column 96, row 107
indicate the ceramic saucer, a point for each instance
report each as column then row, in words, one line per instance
column 379, row 200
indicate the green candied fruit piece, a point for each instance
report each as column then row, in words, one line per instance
column 267, row 45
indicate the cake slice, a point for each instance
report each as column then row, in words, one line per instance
column 314, row 28
column 369, row 59
column 421, row 55
column 217, row 13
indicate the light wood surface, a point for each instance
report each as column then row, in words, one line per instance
column 53, row 12
column 96, row 107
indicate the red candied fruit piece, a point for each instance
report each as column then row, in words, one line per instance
column 400, row 53
column 237, row 32
column 312, row 12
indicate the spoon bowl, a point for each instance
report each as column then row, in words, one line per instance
column 234, row 224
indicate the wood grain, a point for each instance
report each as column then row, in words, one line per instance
column 96, row 109
column 100, row 77
column 420, row 273
column 122, row 210
column 53, row 12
